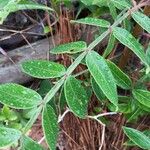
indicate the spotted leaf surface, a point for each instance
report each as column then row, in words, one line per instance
column 102, row 75
column 73, row 47
column 28, row 144
column 43, row 69
column 93, row 21
column 121, row 78
column 128, row 40
column 76, row 97
column 139, row 138
column 142, row 20
column 50, row 126
column 19, row 97
column 121, row 5
column 142, row 96
column 8, row 136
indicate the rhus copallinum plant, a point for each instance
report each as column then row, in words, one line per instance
column 105, row 77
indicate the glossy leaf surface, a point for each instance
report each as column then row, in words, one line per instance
column 73, row 47
column 101, row 73
column 43, row 69
column 19, row 97
column 76, row 97
column 50, row 126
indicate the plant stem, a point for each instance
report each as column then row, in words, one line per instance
column 61, row 117
column 103, row 125
column 77, row 61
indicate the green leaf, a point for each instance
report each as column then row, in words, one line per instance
column 137, row 137
column 134, row 115
column 9, row 6
column 112, row 9
column 100, row 71
column 9, row 114
column 97, row 90
column 62, row 100
column 8, row 136
column 124, row 105
column 142, row 20
column 15, row 125
column 92, row 21
column 27, row 113
column 45, row 87
column 121, row 78
column 19, row 97
column 95, row 2
column 6, row 111
column 25, row 4
column 3, row 3
column 43, row 69
column 50, row 126
column 33, row 118
column 128, row 40
column 87, row 2
column 130, row 143
column 142, row 96
column 110, row 46
column 143, row 107
column 29, row 144
column 71, row 48
column 148, row 54
column 2, row 117
column 15, row 5
column 100, row 2
column 76, row 97
column 121, row 5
